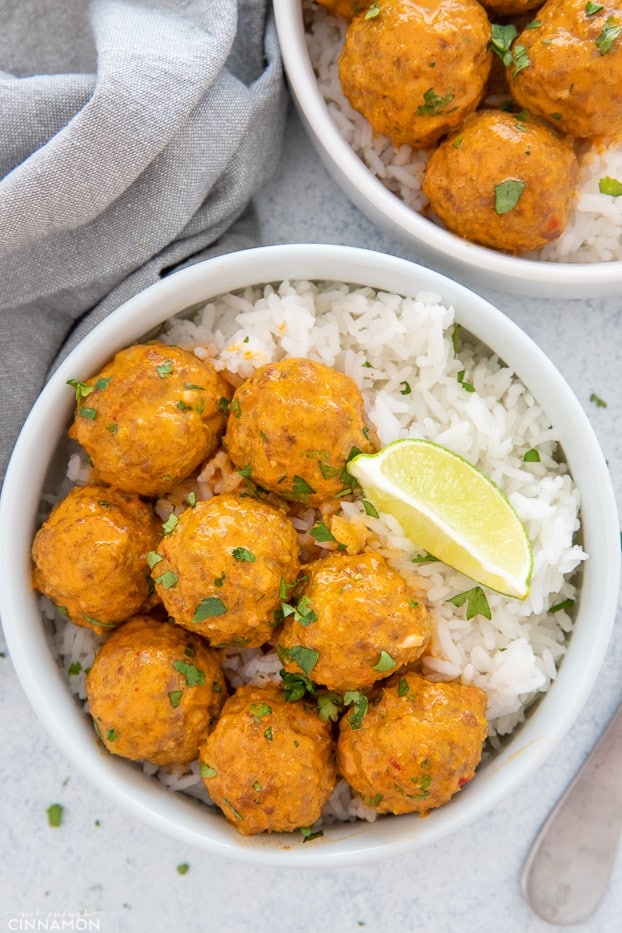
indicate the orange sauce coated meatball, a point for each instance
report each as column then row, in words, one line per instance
column 504, row 181
column 269, row 763
column 222, row 567
column 90, row 556
column 360, row 623
column 292, row 427
column 416, row 746
column 570, row 68
column 154, row 692
column 151, row 417
column 417, row 68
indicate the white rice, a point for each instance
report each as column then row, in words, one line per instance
column 384, row 341
column 594, row 230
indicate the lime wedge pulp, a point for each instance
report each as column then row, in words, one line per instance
column 448, row 507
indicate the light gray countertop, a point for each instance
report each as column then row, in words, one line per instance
column 105, row 869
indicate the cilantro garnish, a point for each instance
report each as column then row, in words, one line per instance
column 165, row 369
column 209, row 608
column 175, row 697
column 55, row 814
column 296, row 686
column 608, row 34
column 170, row 524
column 476, row 602
column 501, row 41
column 243, row 554
column 610, row 186
column 508, row 194
column 258, row 710
column 434, row 104
column 305, row 658
column 385, row 663
column 359, row 702
column 564, row 604
column 194, row 677
column 167, row 579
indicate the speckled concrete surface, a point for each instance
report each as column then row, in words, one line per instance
column 104, row 869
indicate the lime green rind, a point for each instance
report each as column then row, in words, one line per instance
column 456, row 555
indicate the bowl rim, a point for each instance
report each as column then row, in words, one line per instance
column 45, row 685
column 385, row 204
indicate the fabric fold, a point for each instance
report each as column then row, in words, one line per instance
column 117, row 175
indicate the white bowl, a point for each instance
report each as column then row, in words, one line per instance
column 431, row 244
column 45, row 684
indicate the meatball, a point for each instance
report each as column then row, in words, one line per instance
column 292, row 427
column 504, row 181
column 269, row 763
column 569, row 68
column 90, row 556
column 154, row 691
column 356, row 623
column 417, row 68
column 416, row 746
column 150, row 417
column 221, row 569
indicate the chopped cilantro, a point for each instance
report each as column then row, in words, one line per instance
column 359, row 703
column 476, row 602
column 165, row 369
column 424, row 558
column 598, row 401
column 321, row 532
column 508, row 194
column 608, row 35
column 208, row 608
column 243, row 554
column 385, row 663
column 329, row 705
column 369, row 508
column 194, row 677
column 467, row 386
column 175, row 697
column 259, row 710
column 82, row 389
column 305, row 658
column 531, row 456
column 434, row 104
column 296, row 686
column 153, row 558
column 501, row 41
column 167, row 579
column 170, row 524
column 564, row 604
column 182, row 868
column 610, row 186
column 55, row 814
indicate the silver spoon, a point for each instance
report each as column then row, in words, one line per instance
column 568, row 868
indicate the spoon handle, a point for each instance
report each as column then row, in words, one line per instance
column 568, row 868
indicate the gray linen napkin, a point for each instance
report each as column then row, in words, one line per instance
column 133, row 136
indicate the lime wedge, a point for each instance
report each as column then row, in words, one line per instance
column 448, row 507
